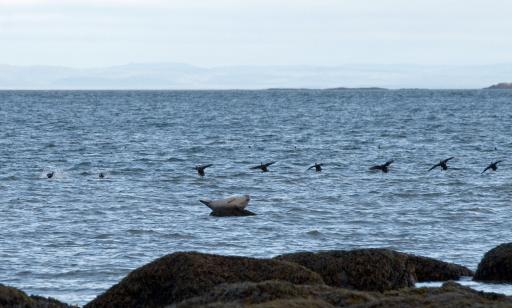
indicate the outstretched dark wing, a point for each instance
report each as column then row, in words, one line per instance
column 446, row 160
column 389, row 162
column 256, row 167
column 498, row 161
column 378, row 167
column 270, row 163
column 434, row 166
column 488, row 167
column 206, row 166
column 311, row 167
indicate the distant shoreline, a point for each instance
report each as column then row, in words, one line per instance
column 494, row 87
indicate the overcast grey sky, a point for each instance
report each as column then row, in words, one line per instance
column 96, row 33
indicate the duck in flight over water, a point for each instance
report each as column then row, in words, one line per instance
column 441, row 164
column 318, row 167
column 384, row 168
column 200, row 169
column 263, row 167
column 493, row 166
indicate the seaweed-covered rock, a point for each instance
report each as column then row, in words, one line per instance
column 277, row 294
column 225, row 212
column 429, row 269
column 183, row 275
column 450, row 295
column 12, row 297
column 496, row 265
column 361, row 269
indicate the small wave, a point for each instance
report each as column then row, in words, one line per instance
column 80, row 165
column 141, row 231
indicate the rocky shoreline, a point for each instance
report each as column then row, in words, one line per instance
column 356, row 278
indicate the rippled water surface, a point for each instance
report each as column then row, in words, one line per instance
column 73, row 236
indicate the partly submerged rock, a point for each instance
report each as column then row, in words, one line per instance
column 225, row 212
column 496, row 265
column 183, row 275
column 429, row 269
column 362, row 269
column 375, row 269
column 12, row 297
column 272, row 294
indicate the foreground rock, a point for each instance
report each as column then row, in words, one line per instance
column 182, row 275
column 12, row 297
column 362, row 269
column 278, row 294
column 231, row 212
column 375, row 269
column 283, row 294
column 496, row 265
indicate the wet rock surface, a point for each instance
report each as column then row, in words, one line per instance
column 231, row 212
column 12, row 297
column 362, row 269
column 282, row 294
column 182, row 275
column 496, row 265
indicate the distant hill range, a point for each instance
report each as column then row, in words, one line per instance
column 501, row 85
column 170, row 76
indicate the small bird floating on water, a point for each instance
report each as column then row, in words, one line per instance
column 441, row 164
column 318, row 167
column 384, row 168
column 493, row 166
column 200, row 169
column 101, row 175
column 263, row 167
column 50, row 174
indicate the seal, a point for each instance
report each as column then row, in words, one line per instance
column 233, row 202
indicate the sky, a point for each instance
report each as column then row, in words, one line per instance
column 211, row 33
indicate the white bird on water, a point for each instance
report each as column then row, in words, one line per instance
column 233, row 202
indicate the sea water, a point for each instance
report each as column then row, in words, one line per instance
column 75, row 235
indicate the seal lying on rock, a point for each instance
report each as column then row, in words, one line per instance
column 231, row 206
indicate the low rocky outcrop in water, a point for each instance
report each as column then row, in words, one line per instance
column 12, row 297
column 274, row 294
column 502, row 85
column 183, row 275
column 225, row 212
column 362, row 269
column 429, row 269
column 375, row 269
column 496, row 265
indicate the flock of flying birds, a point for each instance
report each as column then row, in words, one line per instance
column 318, row 167
column 384, row 167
